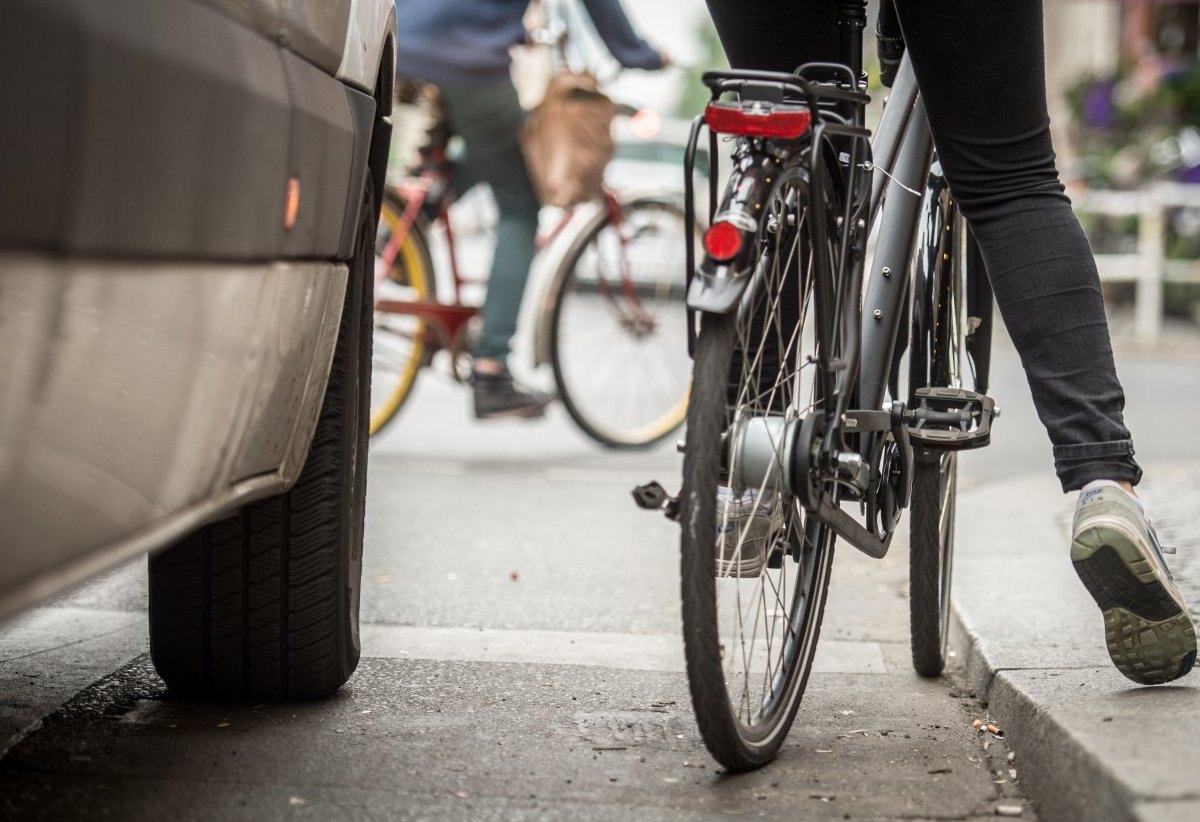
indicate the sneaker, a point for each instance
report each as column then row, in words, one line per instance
column 497, row 395
column 746, row 530
column 1150, row 635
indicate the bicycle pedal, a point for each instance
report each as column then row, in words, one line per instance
column 653, row 497
column 951, row 419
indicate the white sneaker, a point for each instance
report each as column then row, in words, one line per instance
column 1150, row 635
column 746, row 530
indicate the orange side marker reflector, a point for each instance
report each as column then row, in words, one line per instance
column 291, row 205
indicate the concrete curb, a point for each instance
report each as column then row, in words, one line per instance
column 1089, row 744
column 1063, row 779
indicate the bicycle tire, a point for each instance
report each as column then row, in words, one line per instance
column 400, row 340
column 739, row 734
column 654, row 315
column 931, row 560
column 938, row 360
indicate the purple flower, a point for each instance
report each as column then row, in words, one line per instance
column 1098, row 109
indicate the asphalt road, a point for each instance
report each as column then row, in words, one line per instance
column 521, row 660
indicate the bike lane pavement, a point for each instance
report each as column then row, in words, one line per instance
column 522, row 660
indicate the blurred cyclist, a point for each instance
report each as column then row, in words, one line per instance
column 980, row 67
column 462, row 46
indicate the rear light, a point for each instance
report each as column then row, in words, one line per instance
column 722, row 241
column 757, row 119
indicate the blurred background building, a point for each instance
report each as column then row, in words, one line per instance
column 1124, row 80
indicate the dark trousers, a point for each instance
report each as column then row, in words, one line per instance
column 980, row 68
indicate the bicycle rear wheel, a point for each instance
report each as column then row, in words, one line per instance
column 400, row 339
column 749, row 638
column 618, row 342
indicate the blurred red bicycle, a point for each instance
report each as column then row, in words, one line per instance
column 611, row 322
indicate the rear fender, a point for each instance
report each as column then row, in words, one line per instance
column 717, row 286
column 548, row 276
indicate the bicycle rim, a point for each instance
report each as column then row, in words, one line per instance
column 750, row 638
column 399, row 344
column 619, row 333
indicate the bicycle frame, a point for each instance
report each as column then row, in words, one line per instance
column 857, row 349
column 445, row 321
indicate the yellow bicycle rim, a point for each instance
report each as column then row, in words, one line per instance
column 412, row 264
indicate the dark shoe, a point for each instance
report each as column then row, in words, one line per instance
column 496, row 395
column 1148, row 630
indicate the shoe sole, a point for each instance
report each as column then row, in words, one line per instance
column 1150, row 635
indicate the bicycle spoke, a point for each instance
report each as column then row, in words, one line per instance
column 775, row 376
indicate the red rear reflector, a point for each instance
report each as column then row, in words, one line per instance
column 757, row 120
column 722, row 241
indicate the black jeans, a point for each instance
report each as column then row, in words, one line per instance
column 980, row 67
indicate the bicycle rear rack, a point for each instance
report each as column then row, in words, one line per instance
column 830, row 94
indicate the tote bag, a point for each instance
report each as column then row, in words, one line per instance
column 567, row 140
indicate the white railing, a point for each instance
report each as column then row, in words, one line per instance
column 1147, row 267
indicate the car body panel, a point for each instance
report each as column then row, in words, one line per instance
column 371, row 33
column 313, row 29
column 135, row 150
column 343, row 38
column 133, row 393
column 165, row 333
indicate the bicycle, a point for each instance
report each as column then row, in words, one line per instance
column 618, row 278
column 797, row 403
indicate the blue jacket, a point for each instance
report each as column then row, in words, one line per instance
column 466, row 42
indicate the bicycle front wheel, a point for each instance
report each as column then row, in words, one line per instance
column 755, row 565
column 937, row 358
column 618, row 342
column 400, row 339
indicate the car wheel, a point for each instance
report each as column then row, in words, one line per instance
column 264, row 604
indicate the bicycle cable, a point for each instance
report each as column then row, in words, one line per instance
column 885, row 173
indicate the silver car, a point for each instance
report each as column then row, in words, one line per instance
column 188, row 196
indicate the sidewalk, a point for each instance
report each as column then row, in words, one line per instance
column 1090, row 745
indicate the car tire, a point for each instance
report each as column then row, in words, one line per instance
column 265, row 603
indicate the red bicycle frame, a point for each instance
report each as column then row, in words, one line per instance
column 445, row 321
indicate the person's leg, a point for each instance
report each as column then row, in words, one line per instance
column 981, row 73
column 489, row 120
column 980, row 69
column 776, row 35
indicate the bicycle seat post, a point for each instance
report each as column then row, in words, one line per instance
column 851, row 22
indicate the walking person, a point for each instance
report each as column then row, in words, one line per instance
column 462, row 47
column 980, row 69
